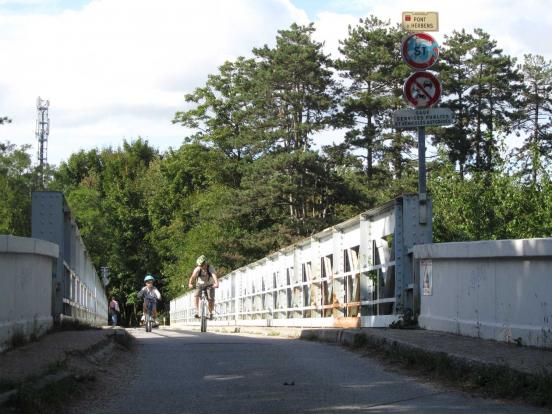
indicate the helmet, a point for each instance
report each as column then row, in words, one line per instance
column 200, row 260
column 148, row 277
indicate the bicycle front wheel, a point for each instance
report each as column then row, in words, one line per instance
column 203, row 315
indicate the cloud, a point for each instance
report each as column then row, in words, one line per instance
column 121, row 68
column 518, row 27
column 331, row 28
column 115, row 69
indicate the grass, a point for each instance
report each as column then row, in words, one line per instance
column 18, row 339
column 309, row 336
column 6, row 385
column 56, row 366
column 49, row 399
column 70, row 325
column 126, row 341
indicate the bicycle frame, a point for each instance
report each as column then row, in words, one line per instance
column 149, row 315
column 204, row 307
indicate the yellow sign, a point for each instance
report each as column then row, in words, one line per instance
column 420, row 21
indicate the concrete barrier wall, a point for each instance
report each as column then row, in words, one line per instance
column 498, row 290
column 26, row 267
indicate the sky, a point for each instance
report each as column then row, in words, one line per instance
column 117, row 70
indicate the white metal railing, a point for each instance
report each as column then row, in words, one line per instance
column 84, row 297
column 357, row 272
column 346, row 271
column 78, row 291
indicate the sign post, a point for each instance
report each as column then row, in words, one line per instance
column 422, row 89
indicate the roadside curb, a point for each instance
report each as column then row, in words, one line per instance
column 282, row 332
column 63, row 375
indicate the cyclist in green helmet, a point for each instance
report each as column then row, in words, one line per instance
column 204, row 276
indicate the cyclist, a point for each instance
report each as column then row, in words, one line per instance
column 205, row 276
column 150, row 294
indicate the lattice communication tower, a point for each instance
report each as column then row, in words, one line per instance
column 42, row 132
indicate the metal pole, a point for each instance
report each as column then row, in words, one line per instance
column 422, row 192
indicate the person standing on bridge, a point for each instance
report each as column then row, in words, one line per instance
column 206, row 277
column 114, row 310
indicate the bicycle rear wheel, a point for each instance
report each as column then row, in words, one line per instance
column 148, row 322
column 149, row 317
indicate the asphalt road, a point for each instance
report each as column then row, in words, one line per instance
column 190, row 372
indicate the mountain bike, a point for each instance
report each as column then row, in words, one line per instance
column 149, row 315
column 204, row 307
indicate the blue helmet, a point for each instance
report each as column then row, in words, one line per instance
column 149, row 277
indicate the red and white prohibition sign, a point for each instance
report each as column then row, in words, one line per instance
column 422, row 89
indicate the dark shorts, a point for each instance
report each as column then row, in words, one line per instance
column 210, row 292
column 153, row 304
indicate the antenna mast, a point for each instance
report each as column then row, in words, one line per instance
column 42, row 132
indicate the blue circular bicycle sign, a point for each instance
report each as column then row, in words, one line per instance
column 420, row 51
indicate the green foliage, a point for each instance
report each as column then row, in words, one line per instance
column 373, row 67
column 488, row 207
column 483, row 87
column 17, row 180
column 295, row 88
column 86, row 203
column 535, row 117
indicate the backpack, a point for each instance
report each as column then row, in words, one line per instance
column 209, row 274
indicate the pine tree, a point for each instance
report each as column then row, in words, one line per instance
column 374, row 73
column 496, row 85
column 455, row 79
column 536, row 115
column 482, row 86
column 223, row 114
column 295, row 88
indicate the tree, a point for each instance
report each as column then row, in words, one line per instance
column 84, row 165
column 374, row 74
column 16, row 184
column 535, row 117
column 455, row 76
column 105, row 191
column 86, row 205
column 493, row 97
column 487, row 206
column 295, row 89
column 482, row 86
column 224, row 113
column 187, row 203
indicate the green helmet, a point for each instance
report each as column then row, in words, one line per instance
column 148, row 277
column 200, row 260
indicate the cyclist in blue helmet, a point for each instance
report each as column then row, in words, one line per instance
column 204, row 276
column 150, row 294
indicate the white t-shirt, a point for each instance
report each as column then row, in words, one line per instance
column 150, row 294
